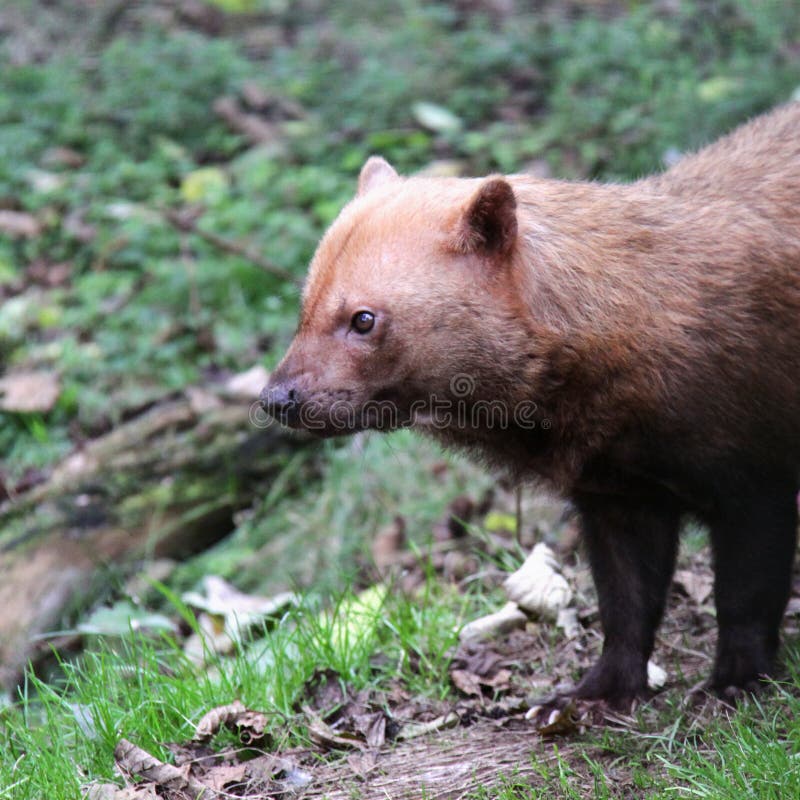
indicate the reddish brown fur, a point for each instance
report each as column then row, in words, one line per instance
column 655, row 325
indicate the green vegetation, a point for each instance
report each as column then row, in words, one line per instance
column 147, row 690
column 115, row 128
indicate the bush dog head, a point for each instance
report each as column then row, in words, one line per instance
column 397, row 302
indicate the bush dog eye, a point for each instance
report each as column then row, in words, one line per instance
column 363, row 321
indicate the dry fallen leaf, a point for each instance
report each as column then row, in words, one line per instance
column 697, row 585
column 28, row 392
column 239, row 611
column 362, row 763
column 372, row 727
column 132, row 760
column 226, row 776
column 471, row 683
column 323, row 735
column 248, row 725
column 110, row 791
column 500, row 681
column 561, row 722
column 466, row 682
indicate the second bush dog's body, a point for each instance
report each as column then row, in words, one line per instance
column 650, row 331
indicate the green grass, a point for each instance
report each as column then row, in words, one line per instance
column 146, row 690
column 315, row 521
column 754, row 754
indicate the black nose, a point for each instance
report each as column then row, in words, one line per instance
column 282, row 402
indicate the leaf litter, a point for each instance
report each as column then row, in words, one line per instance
column 501, row 717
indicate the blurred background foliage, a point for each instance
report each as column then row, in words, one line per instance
column 253, row 117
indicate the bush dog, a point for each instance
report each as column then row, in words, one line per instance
column 636, row 347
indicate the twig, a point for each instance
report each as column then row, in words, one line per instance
column 687, row 651
column 188, row 225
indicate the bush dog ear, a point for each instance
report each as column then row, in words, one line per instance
column 376, row 171
column 488, row 225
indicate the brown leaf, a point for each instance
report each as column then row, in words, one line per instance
column 362, row 763
column 323, row 692
column 372, row 727
column 19, row 223
column 251, row 728
column 561, row 722
column 499, row 681
column 110, row 791
column 479, row 659
column 362, row 731
column 324, row 736
column 132, row 760
column 248, row 725
column 466, row 682
column 223, row 777
column 29, row 391
column 697, row 585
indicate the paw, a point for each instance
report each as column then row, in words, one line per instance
column 614, row 684
column 731, row 695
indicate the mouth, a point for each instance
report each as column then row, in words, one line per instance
column 341, row 417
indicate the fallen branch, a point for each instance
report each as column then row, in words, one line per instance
column 166, row 482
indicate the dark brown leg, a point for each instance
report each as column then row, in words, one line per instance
column 753, row 540
column 632, row 545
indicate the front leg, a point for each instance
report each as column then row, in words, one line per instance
column 632, row 545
